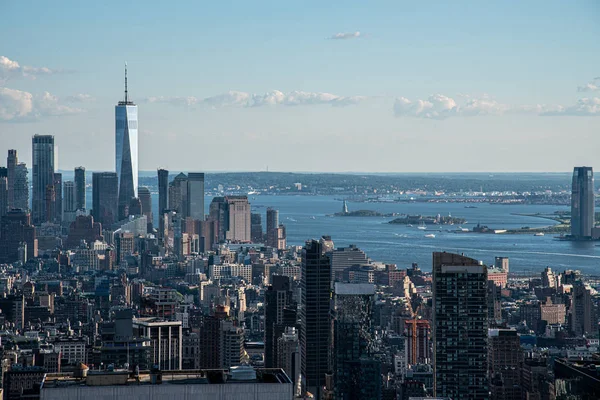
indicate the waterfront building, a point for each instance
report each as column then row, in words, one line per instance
column 80, row 202
column 315, row 328
column 43, row 175
column 126, row 148
column 502, row 263
column 105, row 192
column 460, row 320
column 582, row 202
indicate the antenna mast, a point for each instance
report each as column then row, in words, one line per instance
column 126, row 82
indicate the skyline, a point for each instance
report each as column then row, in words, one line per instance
column 372, row 100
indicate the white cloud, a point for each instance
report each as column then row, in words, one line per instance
column 12, row 69
column 593, row 86
column 586, row 107
column 436, row 106
column 80, row 98
column 345, row 35
column 271, row 98
column 17, row 105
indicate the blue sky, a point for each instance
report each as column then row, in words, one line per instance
column 238, row 85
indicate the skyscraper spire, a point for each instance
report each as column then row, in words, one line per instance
column 126, row 82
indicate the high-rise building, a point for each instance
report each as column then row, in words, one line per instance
column 165, row 339
column 239, row 219
column 105, row 198
column 256, row 231
column 58, row 198
column 356, row 374
column 280, row 312
column 21, row 187
column 418, row 341
column 583, row 315
column 218, row 212
column 315, row 328
column 43, row 175
column 272, row 224
column 11, row 164
column 146, row 200
column 505, row 358
column 126, row 146
column 163, row 198
column 178, row 195
column 195, row 195
column 460, row 327
column 3, row 196
column 582, row 202
column 80, row 202
column 16, row 229
column 69, row 204
column 345, row 257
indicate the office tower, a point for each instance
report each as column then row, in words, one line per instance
column 178, row 195
column 505, row 358
column 460, row 327
column 280, row 312
column 501, row 263
column 195, row 195
column 210, row 342
column 272, row 224
column 583, row 315
column 11, row 165
column 345, row 257
column 256, row 231
column 3, row 196
column 69, row 196
column 582, row 202
column 208, row 232
column 80, row 202
column 50, row 202
column 58, row 198
column 105, row 189
column 126, row 146
column 21, row 187
column 218, row 212
column 43, row 175
column 146, row 200
column 288, row 354
column 232, row 344
column 281, row 238
column 418, row 341
column 494, row 304
column 356, row 374
column 239, row 219
column 15, row 229
column 163, row 198
column 315, row 328
column 165, row 340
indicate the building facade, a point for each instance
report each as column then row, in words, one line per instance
column 582, row 202
column 43, row 175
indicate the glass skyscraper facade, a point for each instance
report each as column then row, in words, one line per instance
column 42, row 175
column 582, row 202
column 195, row 195
column 126, row 147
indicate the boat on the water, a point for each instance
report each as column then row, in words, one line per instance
column 538, row 234
column 422, row 226
column 430, row 235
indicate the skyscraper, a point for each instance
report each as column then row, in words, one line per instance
column 146, row 200
column 105, row 198
column 178, row 195
column 256, row 231
column 11, row 164
column 3, row 196
column 239, row 219
column 280, row 312
column 195, row 195
column 126, row 146
column 356, row 374
column 505, row 358
column 43, row 175
column 315, row 328
column 218, row 212
column 58, row 198
column 163, row 198
column 80, row 188
column 582, row 202
column 272, row 224
column 69, row 202
column 16, row 229
column 460, row 327
column 21, row 187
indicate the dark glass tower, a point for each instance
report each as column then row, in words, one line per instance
column 105, row 198
column 80, row 188
column 280, row 312
column 460, row 327
column 43, row 175
column 582, row 202
column 315, row 329
column 195, row 195
column 163, row 198
column 272, row 224
column 11, row 164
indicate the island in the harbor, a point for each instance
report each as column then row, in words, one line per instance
column 421, row 219
column 364, row 213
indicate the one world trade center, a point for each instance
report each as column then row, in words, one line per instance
column 126, row 142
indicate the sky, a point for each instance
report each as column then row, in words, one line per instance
column 379, row 86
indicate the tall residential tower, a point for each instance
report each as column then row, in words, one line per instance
column 126, row 146
column 43, row 175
